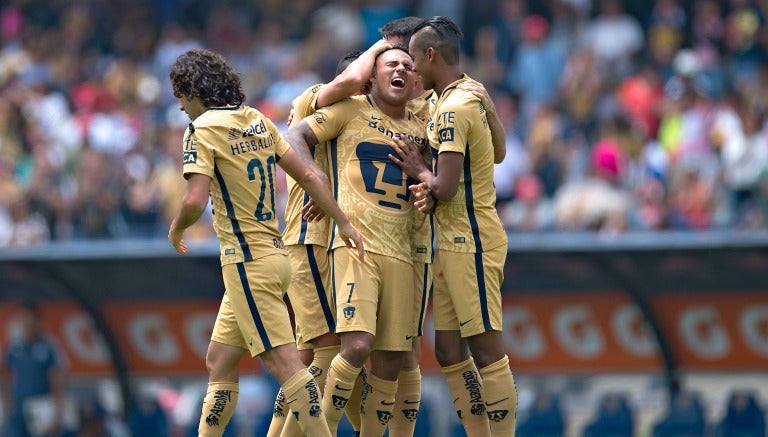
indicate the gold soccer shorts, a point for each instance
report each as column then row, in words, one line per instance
column 467, row 290
column 375, row 296
column 310, row 293
column 252, row 314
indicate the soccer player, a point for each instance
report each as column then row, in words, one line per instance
column 230, row 151
column 307, row 243
column 373, row 191
column 408, row 397
column 399, row 31
column 471, row 242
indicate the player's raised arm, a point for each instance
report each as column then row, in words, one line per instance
column 352, row 79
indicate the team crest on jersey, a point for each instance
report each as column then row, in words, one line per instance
column 349, row 312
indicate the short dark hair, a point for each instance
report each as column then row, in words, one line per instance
column 207, row 75
column 401, row 27
column 442, row 34
column 394, row 47
column 348, row 58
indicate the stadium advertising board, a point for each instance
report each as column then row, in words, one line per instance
column 556, row 332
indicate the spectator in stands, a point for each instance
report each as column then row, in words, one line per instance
column 530, row 211
column 536, row 68
column 743, row 145
column 33, row 370
column 615, row 36
column 26, row 227
column 77, row 80
column 599, row 202
column 692, row 201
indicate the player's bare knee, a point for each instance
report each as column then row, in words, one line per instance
column 306, row 356
column 487, row 348
column 484, row 358
column 410, row 360
column 220, row 369
column 450, row 349
column 356, row 348
column 448, row 355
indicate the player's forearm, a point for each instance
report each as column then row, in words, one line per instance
column 316, row 184
column 498, row 137
column 300, row 137
column 441, row 190
column 189, row 212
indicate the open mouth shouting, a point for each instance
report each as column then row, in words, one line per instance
column 398, row 82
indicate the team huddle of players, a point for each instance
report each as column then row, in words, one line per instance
column 404, row 166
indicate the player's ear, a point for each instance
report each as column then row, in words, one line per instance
column 431, row 53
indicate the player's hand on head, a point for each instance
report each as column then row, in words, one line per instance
column 381, row 46
column 407, row 156
column 176, row 237
column 312, row 212
column 349, row 235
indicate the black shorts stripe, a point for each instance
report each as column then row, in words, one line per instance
column 321, row 295
column 252, row 307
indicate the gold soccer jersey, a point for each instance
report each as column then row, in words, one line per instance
column 297, row 230
column 238, row 148
column 370, row 188
column 422, row 106
column 468, row 222
column 423, row 224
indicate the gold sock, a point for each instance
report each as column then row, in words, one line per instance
column 407, row 401
column 352, row 409
column 338, row 388
column 321, row 363
column 500, row 395
column 467, row 392
column 376, row 405
column 318, row 369
column 303, row 397
column 218, row 406
column 278, row 415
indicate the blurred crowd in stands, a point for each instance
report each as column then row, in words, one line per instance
column 620, row 115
